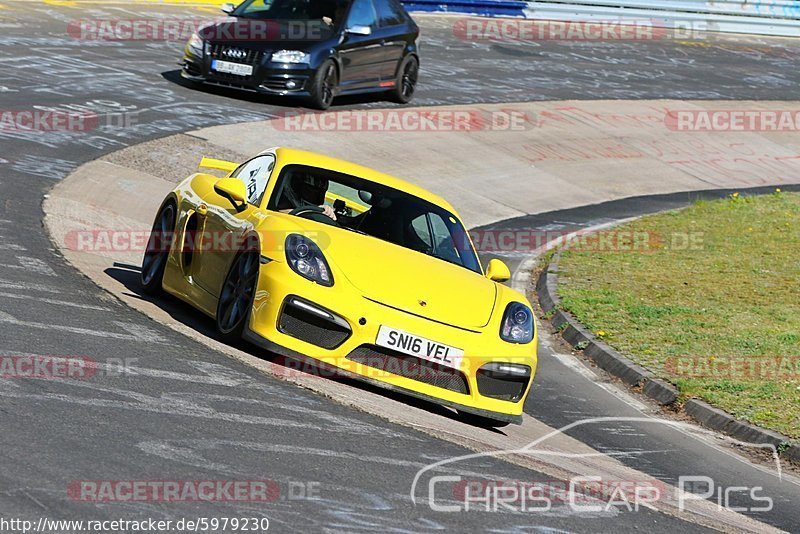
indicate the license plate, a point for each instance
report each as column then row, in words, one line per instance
column 427, row 349
column 231, row 68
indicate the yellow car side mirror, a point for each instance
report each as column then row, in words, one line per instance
column 232, row 189
column 497, row 271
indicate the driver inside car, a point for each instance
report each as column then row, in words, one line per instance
column 305, row 190
column 334, row 13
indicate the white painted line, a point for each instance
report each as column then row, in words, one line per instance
column 7, row 318
column 183, row 377
column 33, row 265
column 140, row 332
column 163, row 406
column 54, row 301
column 8, row 284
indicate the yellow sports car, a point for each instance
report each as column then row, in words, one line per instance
column 314, row 257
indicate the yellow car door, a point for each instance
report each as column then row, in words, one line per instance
column 225, row 224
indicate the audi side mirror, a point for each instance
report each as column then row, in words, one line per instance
column 228, row 8
column 359, row 30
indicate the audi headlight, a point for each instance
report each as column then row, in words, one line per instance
column 290, row 56
column 306, row 259
column 195, row 44
column 517, row 326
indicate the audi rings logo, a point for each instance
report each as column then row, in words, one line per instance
column 234, row 53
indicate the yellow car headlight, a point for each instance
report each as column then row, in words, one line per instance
column 306, row 259
column 517, row 325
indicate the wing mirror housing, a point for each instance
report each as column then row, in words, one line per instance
column 233, row 189
column 228, row 8
column 497, row 270
column 359, row 30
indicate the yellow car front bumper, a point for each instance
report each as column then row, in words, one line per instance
column 356, row 353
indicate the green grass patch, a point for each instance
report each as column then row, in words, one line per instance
column 716, row 284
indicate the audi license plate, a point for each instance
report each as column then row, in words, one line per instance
column 231, row 68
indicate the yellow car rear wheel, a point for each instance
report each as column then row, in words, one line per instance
column 157, row 251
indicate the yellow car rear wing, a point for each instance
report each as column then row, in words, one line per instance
column 218, row 164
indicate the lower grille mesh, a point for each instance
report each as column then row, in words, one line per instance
column 311, row 328
column 410, row 367
column 508, row 388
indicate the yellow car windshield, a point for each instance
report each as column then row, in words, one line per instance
column 376, row 210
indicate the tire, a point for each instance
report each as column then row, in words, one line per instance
column 406, row 81
column 324, row 84
column 157, row 252
column 480, row 421
column 237, row 293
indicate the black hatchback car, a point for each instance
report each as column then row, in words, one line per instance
column 316, row 49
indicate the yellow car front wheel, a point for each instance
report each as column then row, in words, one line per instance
column 236, row 296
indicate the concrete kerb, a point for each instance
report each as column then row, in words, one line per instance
column 643, row 380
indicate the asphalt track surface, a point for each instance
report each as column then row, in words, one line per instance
column 184, row 412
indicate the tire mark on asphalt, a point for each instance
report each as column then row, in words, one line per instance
column 32, row 265
column 54, row 302
column 162, row 406
column 137, row 333
column 27, row 286
column 197, row 404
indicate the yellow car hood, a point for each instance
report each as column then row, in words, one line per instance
column 412, row 281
